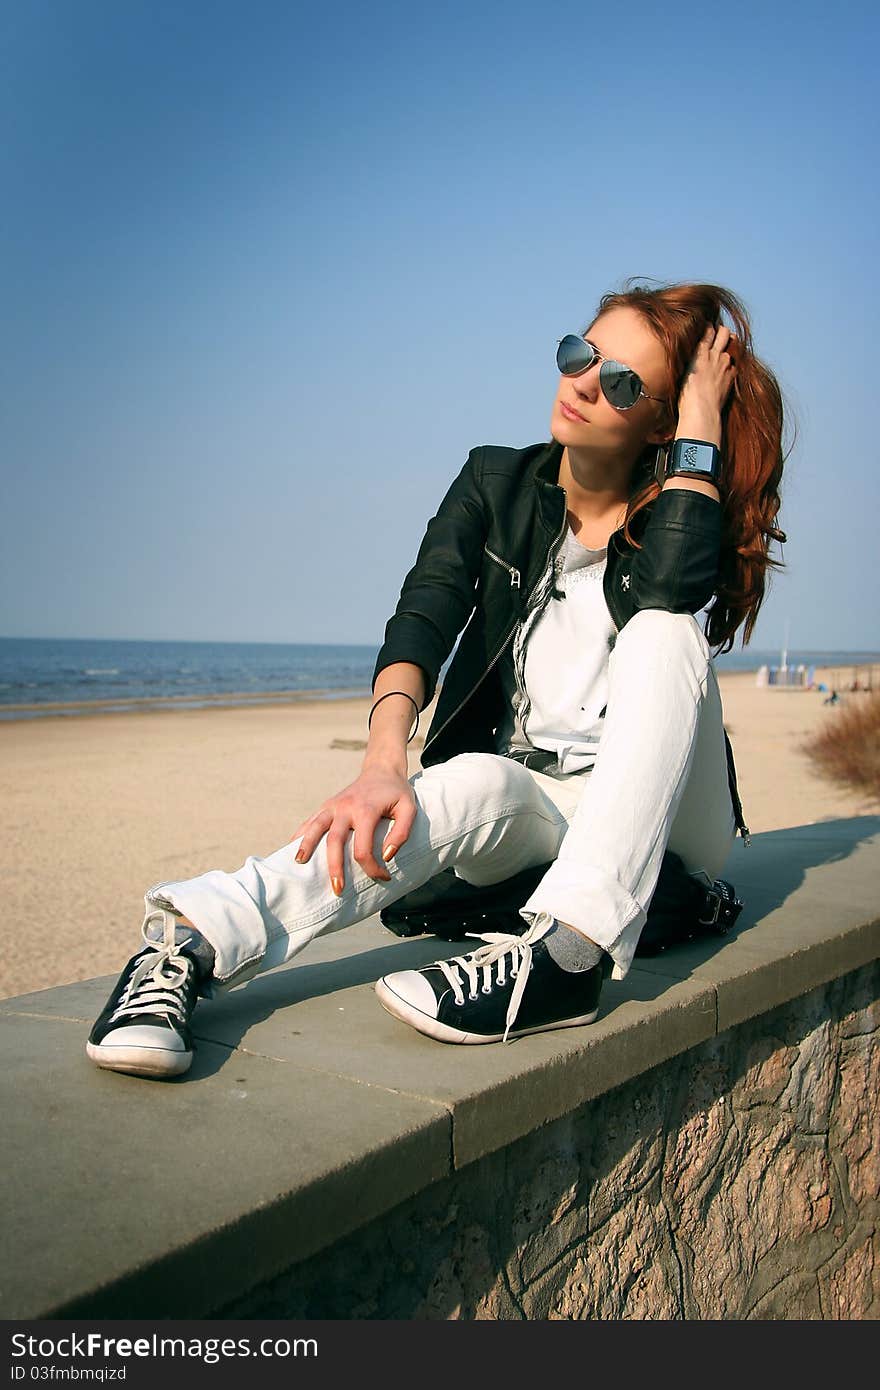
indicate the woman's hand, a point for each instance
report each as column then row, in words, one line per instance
column 706, row 386
column 375, row 794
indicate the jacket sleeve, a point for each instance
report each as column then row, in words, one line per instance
column 677, row 565
column 437, row 596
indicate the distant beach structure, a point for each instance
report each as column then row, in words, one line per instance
column 800, row 676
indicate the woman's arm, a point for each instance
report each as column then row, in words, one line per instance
column 677, row 566
column 704, row 390
column 381, row 791
column 437, row 595
column 392, row 721
column 435, row 602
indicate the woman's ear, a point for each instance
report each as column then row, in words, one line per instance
column 662, row 436
column 666, row 425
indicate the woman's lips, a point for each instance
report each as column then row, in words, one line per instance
column 571, row 414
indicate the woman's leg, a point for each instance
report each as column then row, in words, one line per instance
column 660, row 779
column 481, row 814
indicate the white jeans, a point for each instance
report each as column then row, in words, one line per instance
column 660, row 778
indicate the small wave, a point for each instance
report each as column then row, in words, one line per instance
column 101, row 671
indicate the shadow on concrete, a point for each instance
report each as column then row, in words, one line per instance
column 766, row 874
column 773, row 867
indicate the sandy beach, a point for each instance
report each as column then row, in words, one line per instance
column 96, row 809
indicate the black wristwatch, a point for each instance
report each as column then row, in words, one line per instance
column 694, row 458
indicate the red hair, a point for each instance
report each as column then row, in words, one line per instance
column 751, row 444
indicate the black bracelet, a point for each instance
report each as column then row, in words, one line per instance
column 406, row 697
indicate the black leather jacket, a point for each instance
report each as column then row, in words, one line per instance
column 481, row 560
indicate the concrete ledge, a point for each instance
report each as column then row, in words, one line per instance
column 310, row 1112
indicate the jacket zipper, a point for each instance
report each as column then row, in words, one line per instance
column 460, row 706
column 514, row 584
column 514, row 573
column 538, row 600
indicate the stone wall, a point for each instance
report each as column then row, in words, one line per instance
column 739, row 1180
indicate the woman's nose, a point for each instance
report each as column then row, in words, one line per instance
column 587, row 384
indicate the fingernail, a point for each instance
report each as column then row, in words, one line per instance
column 389, row 852
column 300, row 857
column 337, row 886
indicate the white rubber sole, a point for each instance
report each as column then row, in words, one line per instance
column 442, row 1032
column 140, row 1061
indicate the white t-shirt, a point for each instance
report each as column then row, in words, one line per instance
column 556, row 671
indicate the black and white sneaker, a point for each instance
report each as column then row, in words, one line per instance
column 479, row 997
column 144, row 1027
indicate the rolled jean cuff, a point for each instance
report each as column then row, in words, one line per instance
column 227, row 917
column 598, row 906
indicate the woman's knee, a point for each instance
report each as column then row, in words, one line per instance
column 655, row 633
column 659, row 625
column 483, row 777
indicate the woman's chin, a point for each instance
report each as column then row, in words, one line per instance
column 566, row 431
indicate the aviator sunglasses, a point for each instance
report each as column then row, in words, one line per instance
column 620, row 385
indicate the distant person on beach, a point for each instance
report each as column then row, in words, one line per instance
column 579, row 724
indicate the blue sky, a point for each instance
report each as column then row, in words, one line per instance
column 270, row 270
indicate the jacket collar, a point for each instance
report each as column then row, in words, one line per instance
column 551, row 496
column 546, row 463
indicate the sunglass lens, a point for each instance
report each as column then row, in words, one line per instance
column 620, row 384
column 573, row 355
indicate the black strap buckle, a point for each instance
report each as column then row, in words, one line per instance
column 538, row 759
column 713, row 903
column 721, row 907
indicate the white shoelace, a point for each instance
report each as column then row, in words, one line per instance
column 499, row 946
column 156, row 980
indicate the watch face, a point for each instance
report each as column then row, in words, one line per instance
column 690, row 456
column 696, row 458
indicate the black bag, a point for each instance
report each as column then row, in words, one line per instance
column 681, row 908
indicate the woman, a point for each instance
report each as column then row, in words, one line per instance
column 579, row 723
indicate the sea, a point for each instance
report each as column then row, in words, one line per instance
column 75, row 676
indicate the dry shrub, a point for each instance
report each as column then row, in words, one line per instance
column 847, row 751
